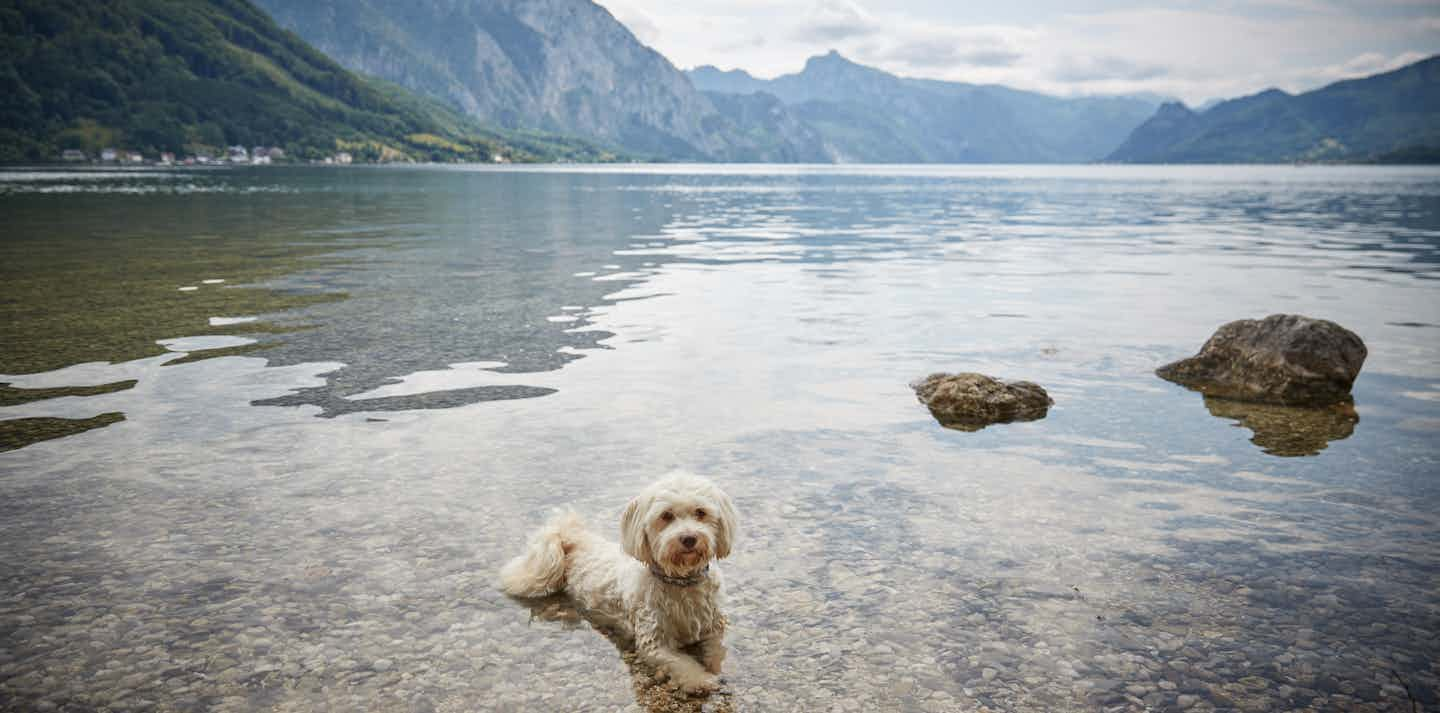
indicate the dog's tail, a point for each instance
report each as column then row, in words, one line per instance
column 541, row 570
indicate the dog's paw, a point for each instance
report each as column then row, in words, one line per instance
column 697, row 685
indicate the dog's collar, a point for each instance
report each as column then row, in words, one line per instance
column 687, row 581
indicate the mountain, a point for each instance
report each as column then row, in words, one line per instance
column 865, row 114
column 563, row 66
column 760, row 128
column 735, row 81
column 1394, row 116
column 198, row 75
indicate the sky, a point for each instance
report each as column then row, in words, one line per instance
column 1195, row 51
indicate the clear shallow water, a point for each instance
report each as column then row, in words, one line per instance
column 318, row 523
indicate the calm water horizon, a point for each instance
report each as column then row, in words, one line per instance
column 299, row 417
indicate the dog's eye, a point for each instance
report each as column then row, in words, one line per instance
column 667, row 516
column 700, row 513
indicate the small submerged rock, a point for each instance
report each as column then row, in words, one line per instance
column 970, row 402
column 1284, row 359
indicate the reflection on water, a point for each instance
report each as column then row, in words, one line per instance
column 1287, row 430
column 256, row 535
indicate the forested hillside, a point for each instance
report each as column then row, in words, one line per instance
column 196, row 75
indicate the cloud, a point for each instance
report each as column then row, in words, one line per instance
column 1106, row 67
column 835, row 20
column 743, row 43
column 1179, row 48
column 639, row 23
column 949, row 51
column 1368, row 63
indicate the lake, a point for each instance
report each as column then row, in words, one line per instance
column 270, row 433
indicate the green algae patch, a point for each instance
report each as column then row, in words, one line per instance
column 13, row 396
column 20, row 432
column 76, row 290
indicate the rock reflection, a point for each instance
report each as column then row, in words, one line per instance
column 1289, row 430
column 651, row 695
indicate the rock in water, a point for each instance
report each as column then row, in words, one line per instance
column 1283, row 359
column 970, row 402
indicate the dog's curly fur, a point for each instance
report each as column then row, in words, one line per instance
column 677, row 526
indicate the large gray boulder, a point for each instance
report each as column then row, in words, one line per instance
column 970, row 402
column 1283, row 359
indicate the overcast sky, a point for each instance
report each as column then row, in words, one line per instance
column 1192, row 50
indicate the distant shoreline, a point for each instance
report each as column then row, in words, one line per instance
column 120, row 167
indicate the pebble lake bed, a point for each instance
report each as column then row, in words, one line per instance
column 291, row 487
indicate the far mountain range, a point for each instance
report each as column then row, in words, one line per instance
column 569, row 67
column 1394, row 116
column 563, row 79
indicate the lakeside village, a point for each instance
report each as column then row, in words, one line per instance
column 234, row 155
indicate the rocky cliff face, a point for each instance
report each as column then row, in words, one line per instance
column 762, row 129
column 564, row 66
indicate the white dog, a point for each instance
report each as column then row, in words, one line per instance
column 657, row 586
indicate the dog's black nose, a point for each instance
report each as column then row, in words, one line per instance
column 688, row 541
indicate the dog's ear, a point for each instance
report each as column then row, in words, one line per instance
column 633, row 538
column 728, row 522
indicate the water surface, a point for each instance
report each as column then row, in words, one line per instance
column 334, row 402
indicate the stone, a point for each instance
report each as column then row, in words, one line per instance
column 970, row 402
column 1284, row 359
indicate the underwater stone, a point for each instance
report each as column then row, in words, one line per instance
column 970, row 402
column 1284, row 359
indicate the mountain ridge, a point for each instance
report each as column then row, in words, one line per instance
column 569, row 66
column 1388, row 114
column 866, row 114
column 565, row 66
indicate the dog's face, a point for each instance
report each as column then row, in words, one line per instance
column 679, row 524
